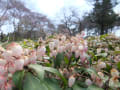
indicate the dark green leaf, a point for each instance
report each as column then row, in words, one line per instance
column 116, row 52
column 38, row 69
column 17, row 79
column 118, row 66
column 76, row 87
column 56, row 72
column 52, row 84
column 59, row 59
column 33, row 83
column 47, row 50
column 92, row 87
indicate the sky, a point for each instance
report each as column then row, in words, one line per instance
column 52, row 8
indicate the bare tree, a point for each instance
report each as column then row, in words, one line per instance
column 72, row 21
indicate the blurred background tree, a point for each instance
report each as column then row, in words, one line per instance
column 27, row 24
column 103, row 17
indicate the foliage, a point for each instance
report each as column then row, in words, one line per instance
column 103, row 17
column 61, row 62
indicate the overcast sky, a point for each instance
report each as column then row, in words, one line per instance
column 52, row 8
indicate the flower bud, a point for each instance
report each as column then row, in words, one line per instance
column 114, row 82
column 19, row 64
column 88, row 82
column 16, row 49
column 2, row 80
column 98, row 50
column 101, row 65
column 63, row 38
column 3, row 70
column 51, row 45
column 71, row 81
column 114, row 73
column 77, row 53
column 26, row 60
column 7, row 55
column 74, row 48
column 61, row 49
column 2, row 62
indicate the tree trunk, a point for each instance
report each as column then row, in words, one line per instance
column 102, row 30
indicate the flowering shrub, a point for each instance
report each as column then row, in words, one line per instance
column 61, row 62
column 105, row 58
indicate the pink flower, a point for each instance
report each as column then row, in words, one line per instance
column 80, row 47
column 19, row 64
column 11, row 67
column 41, row 52
column 26, row 60
column 3, row 70
column 68, row 46
column 16, row 49
column 77, row 53
column 99, row 82
column 71, row 81
column 2, row 80
column 61, row 49
column 1, row 50
column 83, row 56
column 85, row 49
column 51, row 45
column 7, row 86
column 56, row 42
column 26, row 52
column 53, row 53
column 114, row 73
column 99, row 50
column 33, row 57
column 3, row 62
column 101, row 65
column 88, row 82
column 74, row 48
column 7, row 55
column 63, row 37
column 114, row 82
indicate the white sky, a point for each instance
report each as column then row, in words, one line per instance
column 52, row 8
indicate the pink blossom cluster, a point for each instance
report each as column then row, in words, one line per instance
column 68, row 45
column 12, row 59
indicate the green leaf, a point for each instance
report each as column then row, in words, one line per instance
column 17, row 79
column 116, row 52
column 93, row 87
column 79, row 70
column 52, row 84
column 91, row 71
column 39, row 70
column 58, row 60
column 90, row 61
column 66, row 60
column 108, row 68
column 33, row 83
column 56, row 72
column 118, row 66
column 105, row 78
column 102, row 54
column 47, row 50
column 76, row 87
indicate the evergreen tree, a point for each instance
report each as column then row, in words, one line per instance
column 103, row 16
